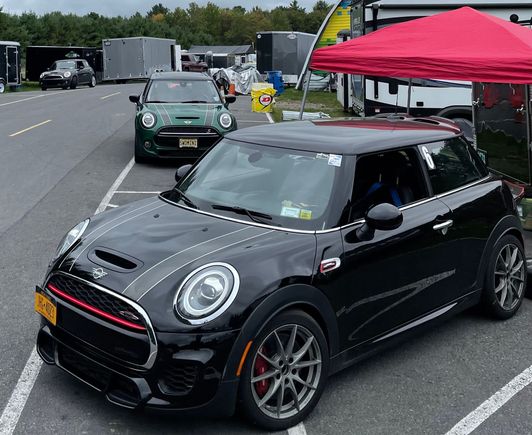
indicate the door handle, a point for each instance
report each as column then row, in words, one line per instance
column 443, row 227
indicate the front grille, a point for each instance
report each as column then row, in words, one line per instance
column 57, row 77
column 83, row 368
column 178, row 379
column 169, row 136
column 97, row 299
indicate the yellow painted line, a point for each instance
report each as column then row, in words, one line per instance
column 112, row 95
column 30, row 128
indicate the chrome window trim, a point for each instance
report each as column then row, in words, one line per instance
column 149, row 327
column 465, row 186
column 330, row 230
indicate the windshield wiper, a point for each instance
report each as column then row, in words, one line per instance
column 185, row 198
column 155, row 101
column 255, row 216
column 194, row 101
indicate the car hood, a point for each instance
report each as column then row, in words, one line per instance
column 164, row 243
column 185, row 114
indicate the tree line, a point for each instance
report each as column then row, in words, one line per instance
column 194, row 25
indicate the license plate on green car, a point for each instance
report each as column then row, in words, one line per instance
column 188, row 143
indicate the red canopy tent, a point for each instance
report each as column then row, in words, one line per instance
column 463, row 44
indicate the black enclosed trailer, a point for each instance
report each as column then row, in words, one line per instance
column 502, row 115
column 39, row 58
column 9, row 64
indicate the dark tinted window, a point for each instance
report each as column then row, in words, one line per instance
column 393, row 177
column 455, row 165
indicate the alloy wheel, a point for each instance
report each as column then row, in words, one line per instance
column 286, row 371
column 509, row 277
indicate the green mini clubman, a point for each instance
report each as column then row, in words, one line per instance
column 180, row 115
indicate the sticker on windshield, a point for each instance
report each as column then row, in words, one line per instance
column 292, row 212
column 335, row 160
column 305, row 214
column 322, row 156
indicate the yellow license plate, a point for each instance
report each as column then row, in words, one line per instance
column 46, row 308
column 188, row 143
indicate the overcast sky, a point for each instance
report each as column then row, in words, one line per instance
column 126, row 7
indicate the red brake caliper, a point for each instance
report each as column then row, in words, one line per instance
column 261, row 367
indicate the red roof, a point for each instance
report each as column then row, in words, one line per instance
column 463, row 44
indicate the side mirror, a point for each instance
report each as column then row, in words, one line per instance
column 230, row 99
column 182, row 171
column 134, row 99
column 383, row 217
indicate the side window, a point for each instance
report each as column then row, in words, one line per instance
column 79, row 64
column 455, row 164
column 393, row 177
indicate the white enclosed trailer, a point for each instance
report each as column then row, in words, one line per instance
column 136, row 58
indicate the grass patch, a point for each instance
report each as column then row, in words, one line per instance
column 317, row 101
column 25, row 86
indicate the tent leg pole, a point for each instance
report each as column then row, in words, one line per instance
column 409, row 96
column 308, row 74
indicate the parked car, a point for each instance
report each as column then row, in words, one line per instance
column 287, row 253
column 191, row 62
column 180, row 115
column 68, row 73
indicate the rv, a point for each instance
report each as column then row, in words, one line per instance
column 9, row 64
column 452, row 99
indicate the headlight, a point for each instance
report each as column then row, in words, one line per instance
column 148, row 120
column 226, row 120
column 206, row 293
column 41, row 76
column 67, row 74
column 70, row 238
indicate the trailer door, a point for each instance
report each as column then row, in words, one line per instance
column 12, row 65
column 500, row 114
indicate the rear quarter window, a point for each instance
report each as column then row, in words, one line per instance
column 455, row 164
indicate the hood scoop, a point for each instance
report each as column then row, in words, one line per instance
column 114, row 260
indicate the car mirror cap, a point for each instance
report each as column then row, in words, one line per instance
column 181, row 172
column 134, row 98
column 384, row 217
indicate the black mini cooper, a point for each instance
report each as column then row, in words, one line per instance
column 285, row 254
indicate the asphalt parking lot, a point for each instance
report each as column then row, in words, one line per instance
column 62, row 151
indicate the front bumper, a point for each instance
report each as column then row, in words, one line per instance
column 55, row 82
column 187, row 375
column 165, row 142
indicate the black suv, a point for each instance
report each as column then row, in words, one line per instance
column 285, row 254
column 68, row 73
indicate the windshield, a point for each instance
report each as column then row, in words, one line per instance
column 182, row 91
column 274, row 186
column 64, row 64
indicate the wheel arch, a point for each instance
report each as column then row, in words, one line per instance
column 298, row 296
column 508, row 225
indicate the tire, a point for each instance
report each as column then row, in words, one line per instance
column 74, row 83
column 43, row 88
column 2, row 87
column 506, row 278
column 266, row 357
column 65, row 87
column 92, row 83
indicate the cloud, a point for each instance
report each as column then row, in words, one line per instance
column 125, row 7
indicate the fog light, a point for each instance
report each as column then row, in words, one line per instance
column 147, row 144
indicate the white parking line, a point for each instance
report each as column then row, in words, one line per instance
column 469, row 423
column 297, row 430
column 30, row 128
column 16, row 403
column 109, row 96
column 51, row 94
